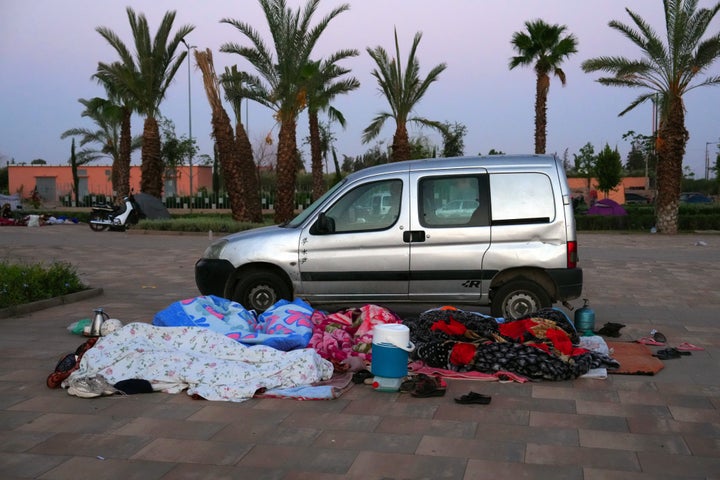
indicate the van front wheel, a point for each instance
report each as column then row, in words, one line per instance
column 260, row 290
column 519, row 298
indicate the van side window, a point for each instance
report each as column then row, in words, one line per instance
column 371, row 206
column 521, row 198
column 457, row 201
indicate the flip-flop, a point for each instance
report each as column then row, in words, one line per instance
column 685, row 346
column 650, row 341
column 472, row 397
column 670, row 353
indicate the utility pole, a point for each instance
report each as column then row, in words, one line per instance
column 190, row 160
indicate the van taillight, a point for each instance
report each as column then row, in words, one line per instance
column 572, row 254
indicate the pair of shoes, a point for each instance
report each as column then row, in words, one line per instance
column 428, row 386
column 90, row 387
column 685, row 346
column 410, row 383
column 670, row 353
column 650, row 341
column 472, row 397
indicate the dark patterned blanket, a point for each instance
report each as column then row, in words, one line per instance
column 540, row 346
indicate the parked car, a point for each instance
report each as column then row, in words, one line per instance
column 635, row 199
column 694, row 197
column 458, row 208
column 516, row 251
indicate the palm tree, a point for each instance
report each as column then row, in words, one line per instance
column 668, row 70
column 145, row 79
column 544, row 47
column 227, row 151
column 236, row 86
column 403, row 91
column 128, row 143
column 282, row 71
column 322, row 87
column 109, row 119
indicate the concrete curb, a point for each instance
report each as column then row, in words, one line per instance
column 49, row 302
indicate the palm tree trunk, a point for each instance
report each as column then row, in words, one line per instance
column 121, row 167
column 152, row 164
column 401, row 144
column 541, row 91
column 286, row 172
column 672, row 138
column 251, row 183
column 316, row 156
column 225, row 148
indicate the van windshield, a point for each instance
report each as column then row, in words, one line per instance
column 302, row 216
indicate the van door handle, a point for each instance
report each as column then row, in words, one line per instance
column 414, row 236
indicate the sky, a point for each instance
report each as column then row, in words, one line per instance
column 49, row 51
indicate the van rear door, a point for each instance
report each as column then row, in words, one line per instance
column 447, row 245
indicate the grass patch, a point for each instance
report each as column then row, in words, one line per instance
column 21, row 283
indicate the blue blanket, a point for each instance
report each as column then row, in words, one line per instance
column 285, row 326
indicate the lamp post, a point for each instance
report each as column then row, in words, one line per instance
column 190, row 160
column 707, row 158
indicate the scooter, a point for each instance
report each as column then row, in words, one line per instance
column 116, row 218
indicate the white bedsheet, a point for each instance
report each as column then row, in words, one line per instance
column 200, row 361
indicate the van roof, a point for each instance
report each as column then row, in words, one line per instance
column 488, row 161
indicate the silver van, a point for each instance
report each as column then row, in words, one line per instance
column 514, row 250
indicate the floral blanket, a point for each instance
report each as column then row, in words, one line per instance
column 201, row 361
column 285, row 326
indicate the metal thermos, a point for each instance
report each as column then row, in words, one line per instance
column 98, row 319
column 585, row 319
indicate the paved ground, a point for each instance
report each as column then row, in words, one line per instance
column 626, row 427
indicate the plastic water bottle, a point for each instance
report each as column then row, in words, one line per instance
column 585, row 320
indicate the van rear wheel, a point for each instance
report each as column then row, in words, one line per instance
column 260, row 290
column 518, row 298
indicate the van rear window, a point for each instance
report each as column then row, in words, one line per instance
column 521, row 198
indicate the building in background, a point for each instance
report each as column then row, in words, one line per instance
column 55, row 183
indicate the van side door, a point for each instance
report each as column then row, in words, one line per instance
column 354, row 250
column 450, row 226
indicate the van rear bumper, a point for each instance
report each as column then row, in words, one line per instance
column 568, row 281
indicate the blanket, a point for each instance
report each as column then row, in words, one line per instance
column 201, row 361
column 541, row 346
column 347, row 334
column 285, row 325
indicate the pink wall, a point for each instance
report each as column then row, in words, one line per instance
column 25, row 178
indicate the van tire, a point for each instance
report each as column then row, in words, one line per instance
column 260, row 290
column 518, row 298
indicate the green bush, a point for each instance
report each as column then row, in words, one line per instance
column 200, row 223
column 21, row 284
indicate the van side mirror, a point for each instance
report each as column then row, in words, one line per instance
column 323, row 225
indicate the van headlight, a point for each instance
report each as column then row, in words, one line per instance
column 214, row 250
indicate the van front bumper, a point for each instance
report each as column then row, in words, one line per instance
column 211, row 275
column 569, row 282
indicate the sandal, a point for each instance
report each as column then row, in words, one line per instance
column 650, row 341
column 685, row 346
column 476, row 398
column 670, row 353
column 429, row 387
